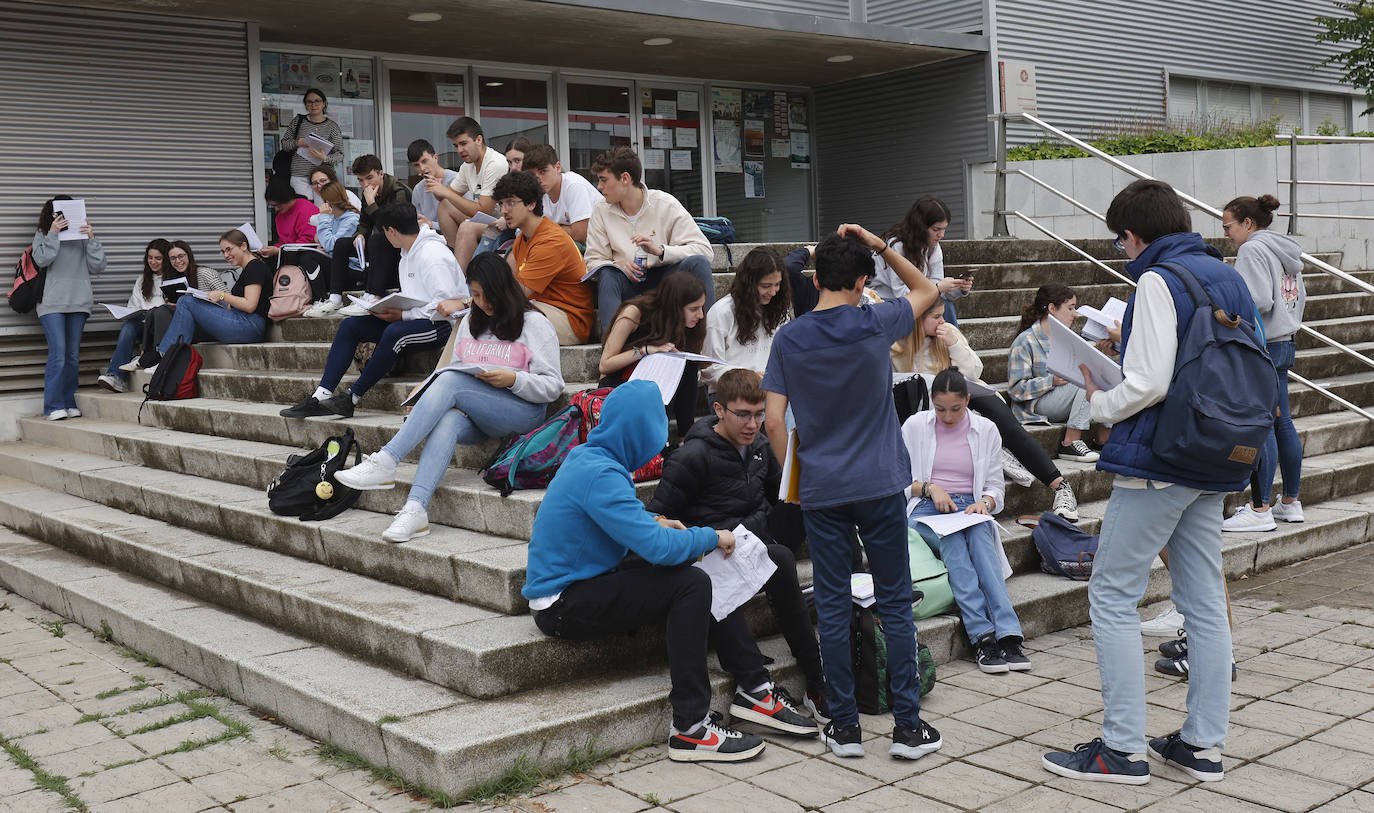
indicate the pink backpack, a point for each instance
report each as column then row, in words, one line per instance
column 290, row 293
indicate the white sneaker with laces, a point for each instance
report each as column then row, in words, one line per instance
column 112, row 383
column 373, row 473
column 409, row 523
column 1165, row 625
column 131, row 366
column 1065, row 503
column 57, row 415
column 354, row 309
column 73, row 412
column 1014, row 471
column 1078, row 451
column 1248, row 519
column 1288, row 512
column 321, row 309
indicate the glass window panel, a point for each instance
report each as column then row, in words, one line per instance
column 511, row 108
column 423, row 105
column 664, row 135
column 347, row 84
column 783, row 211
column 598, row 119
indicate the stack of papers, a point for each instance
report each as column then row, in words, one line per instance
column 254, row 242
column 397, row 301
column 735, row 580
column 945, row 524
column 1068, row 351
column 665, row 370
column 1099, row 321
column 313, row 140
column 75, row 212
column 198, row 294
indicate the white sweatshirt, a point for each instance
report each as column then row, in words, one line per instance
column 534, row 356
column 723, row 342
column 661, row 216
column 430, row 272
column 136, row 299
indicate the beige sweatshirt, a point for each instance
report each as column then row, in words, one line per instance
column 662, row 217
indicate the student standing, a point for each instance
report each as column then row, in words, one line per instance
column 293, row 136
column 66, row 304
column 832, row 367
column 740, row 327
column 1156, row 506
column 146, row 295
column 1037, row 395
column 568, row 197
column 1271, row 265
column 503, row 330
column 917, row 237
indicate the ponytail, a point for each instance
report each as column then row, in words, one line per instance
column 1045, row 296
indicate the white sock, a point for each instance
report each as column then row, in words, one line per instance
column 766, row 685
column 413, row 504
column 322, row 394
column 336, row 299
column 356, row 398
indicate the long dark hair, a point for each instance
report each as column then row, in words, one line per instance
column 192, row 269
column 1045, row 296
column 749, row 314
column 913, row 230
column 660, row 313
column 46, row 216
column 508, row 301
column 162, row 247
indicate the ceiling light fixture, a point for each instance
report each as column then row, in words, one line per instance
column 425, row 17
column 840, row 58
column 495, row 84
column 659, row 41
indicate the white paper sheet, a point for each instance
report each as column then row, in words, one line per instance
column 175, row 284
column 664, row 369
column 75, row 212
column 736, row 580
column 861, row 589
column 683, row 354
column 461, row 367
column 944, row 524
column 680, row 160
column 1099, row 320
column 118, row 311
column 254, row 242
column 198, row 294
column 396, row 301
column 789, row 490
column 313, row 140
column 483, row 218
column 315, row 247
column 1068, row 350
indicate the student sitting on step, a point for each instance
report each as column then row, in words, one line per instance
column 236, row 316
column 545, row 260
column 146, row 295
column 159, row 318
column 581, row 585
column 426, row 164
column 502, row 330
column 725, row 475
column 381, row 190
column 429, row 274
column 956, row 465
column 1037, row 395
column 740, row 327
column 336, row 226
column 670, row 317
column 291, row 221
column 568, row 197
column 936, row 345
column 471, row 192
column 917, row 237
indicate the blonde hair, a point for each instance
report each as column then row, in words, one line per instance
column 336, row 196
column 907, row 349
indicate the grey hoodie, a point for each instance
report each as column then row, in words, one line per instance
column 1271, row 265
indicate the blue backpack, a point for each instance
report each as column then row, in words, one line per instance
column 531, row 460
column 1224, row 394
column 717, row 229
column 1065, row 549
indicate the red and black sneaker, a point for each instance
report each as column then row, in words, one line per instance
column 712, row 742
column 772, row 708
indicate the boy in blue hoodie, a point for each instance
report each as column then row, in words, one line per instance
column 577, row 586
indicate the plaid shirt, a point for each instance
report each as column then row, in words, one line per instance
column 1027, row 373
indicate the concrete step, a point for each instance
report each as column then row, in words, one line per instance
column 987, row 251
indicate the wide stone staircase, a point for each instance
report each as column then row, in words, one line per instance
column 422, row 657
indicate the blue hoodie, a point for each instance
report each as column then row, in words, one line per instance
column 590, row 517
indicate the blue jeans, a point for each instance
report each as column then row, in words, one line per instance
column 1139, row 523
column 391, row 338
column 227, row 325
column 882, row 528
column 60, row 375
column 458, row 409
column 975, row 572
column 949, row 313
column 129, row 334
column 1283, row 449
column 613, row 287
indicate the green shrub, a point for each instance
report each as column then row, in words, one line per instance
column 1174, row 137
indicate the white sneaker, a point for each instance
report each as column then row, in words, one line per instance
column 1078, row 451
column 1014, row 471
column 73, row 412
column 1288, row 512
column 131, row 366
column 1247, row 519
column 322, row 308
column 112, row 383
column 1165, row 625
column 1065, row 503
column 370, row 475
column 409, row 524
column 354, row 309
column 57, row 415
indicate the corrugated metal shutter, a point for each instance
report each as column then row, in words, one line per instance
column 144, row 116
column 1324, row 107
column 1183, row 98
column 876, row 156
column 1284, row 103
column 965, row 16
column 1227, row 102
column 821, row 8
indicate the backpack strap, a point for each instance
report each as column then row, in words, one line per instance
column 1201, row 298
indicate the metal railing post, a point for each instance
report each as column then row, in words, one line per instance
column 1293, row 183
column 999, row 194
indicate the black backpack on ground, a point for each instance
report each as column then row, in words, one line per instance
column 175, row 376
column 868, row 649
column 307, row 488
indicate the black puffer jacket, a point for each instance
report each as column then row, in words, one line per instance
column 706, row 482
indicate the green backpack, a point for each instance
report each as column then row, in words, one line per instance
column 928, row 574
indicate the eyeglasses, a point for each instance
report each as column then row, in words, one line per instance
column 314, row 101
column 509, row 203
column 1119, row 244
column 227, row 250
column 1226, row 227
column 179, row 258
column 320, row 183
column 748, row 416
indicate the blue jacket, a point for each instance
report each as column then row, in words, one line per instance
column 1129, row 450
column 590, row 517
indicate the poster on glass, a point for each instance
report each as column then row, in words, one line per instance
column 753, row 179
column 725, row 135
column 725, row 103
column 754, row 144
column 357, row 79
column 324, row 75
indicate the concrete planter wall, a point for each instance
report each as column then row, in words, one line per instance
column 1214, row 176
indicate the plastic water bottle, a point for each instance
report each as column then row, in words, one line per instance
column 641, row 257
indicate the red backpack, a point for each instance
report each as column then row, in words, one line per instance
column 589, row 402
column 27, row 290
column 175, row 376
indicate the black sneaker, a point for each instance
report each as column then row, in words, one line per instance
column 773, row 708
column 1011, row 653
column 712, row 742
column 989, row 655
column 909, row 744
column 309, row 408
column 843, row 742
column 1077, row 451
column 1177, row 648
column 341, row 404
column 1200, row 763
column 1178, row 666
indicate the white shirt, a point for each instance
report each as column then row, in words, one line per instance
column 424, row 200
column 576, row 197
column 722, row 342
column 474, row 183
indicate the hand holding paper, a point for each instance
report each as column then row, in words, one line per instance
column 734, row 580
column 1068, row 352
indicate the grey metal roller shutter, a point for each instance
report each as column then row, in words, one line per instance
column 144, row 116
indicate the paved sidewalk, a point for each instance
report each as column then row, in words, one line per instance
column 1302, row 733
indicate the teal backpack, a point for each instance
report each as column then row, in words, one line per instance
column 530, row 460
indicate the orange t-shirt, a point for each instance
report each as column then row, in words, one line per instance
column 549, row 264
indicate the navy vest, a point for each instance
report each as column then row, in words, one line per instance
column 1128, row 452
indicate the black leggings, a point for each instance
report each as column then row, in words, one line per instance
column 1015, row 437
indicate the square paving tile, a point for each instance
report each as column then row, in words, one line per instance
column 1356, row 801
column 1357, row 678
column 964, row 785
column 1276, row 787
column 590, row 797
column 1283, row 718
column 887, row 800
column 1200, row 800
column 740, row 796
column 1047, row 798
column 815, row 783
column 1010, row 717
column 776, row 755
column 1354, row 735
column 1323, row 761
column 882, row 766
column 669, row 781
column 122, row 781
column 1064, row 698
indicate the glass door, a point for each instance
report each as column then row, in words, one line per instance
column 423, row 104
column 512, row 106
column 599, row 118
column 670, row 142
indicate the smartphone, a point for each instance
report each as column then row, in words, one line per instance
column 966, row 275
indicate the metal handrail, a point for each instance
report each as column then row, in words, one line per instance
column 1000, row 226
column 1293, row 140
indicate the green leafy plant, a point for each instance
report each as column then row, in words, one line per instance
column 1357, row 30
column 1145, row 138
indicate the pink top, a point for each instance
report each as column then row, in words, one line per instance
column 953, row 466
column 293, row 223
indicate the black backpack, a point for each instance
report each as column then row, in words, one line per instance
column 910, row 395
column 307, row 488
column 868, row 651
column 175, row 376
